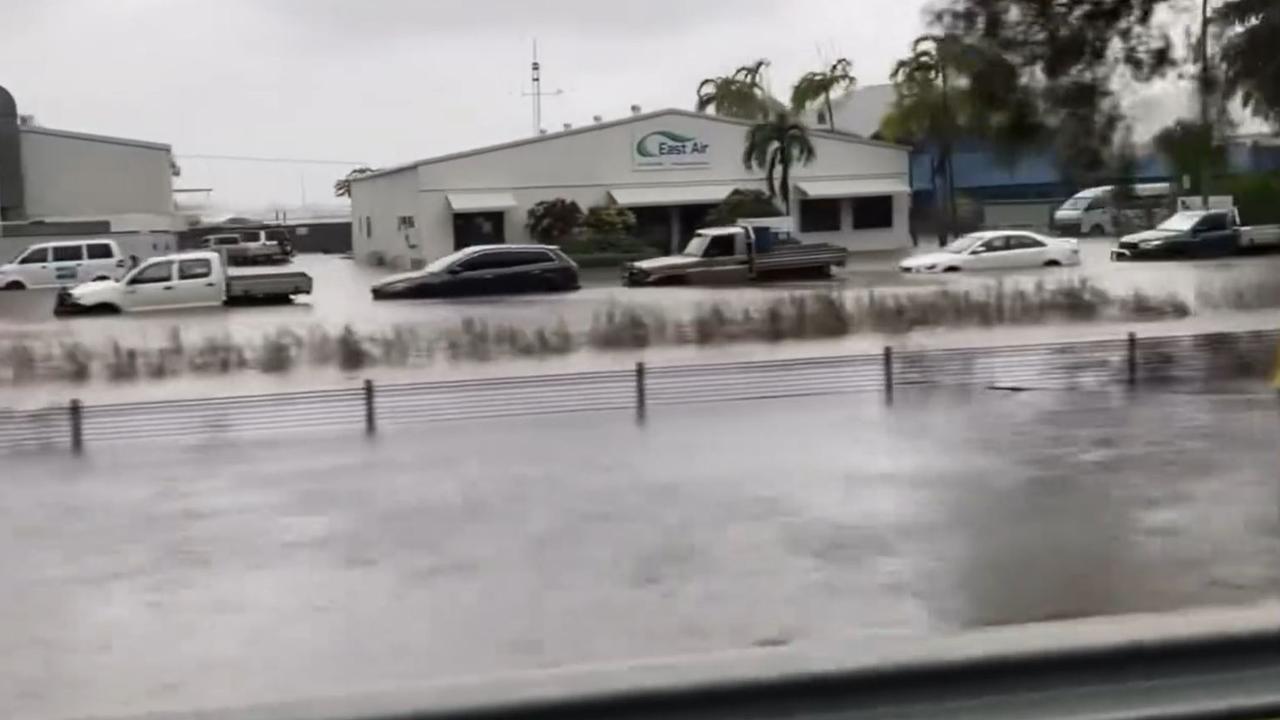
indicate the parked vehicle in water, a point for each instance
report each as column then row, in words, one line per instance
column 251, row 247
column 185, row 280
column 736, row 253
column 485, row 270
column 67, row 262
column 1197, row 233
column 1094, row 211
column 996, row 250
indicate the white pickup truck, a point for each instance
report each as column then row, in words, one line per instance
column 251, row 247
column 193, row 279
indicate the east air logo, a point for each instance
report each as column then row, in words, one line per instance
column 665, row 148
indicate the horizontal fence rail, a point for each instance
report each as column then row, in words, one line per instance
column 1183, row 360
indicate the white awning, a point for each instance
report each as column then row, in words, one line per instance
column 671, row 195
column 825, row 189
column 480, row 202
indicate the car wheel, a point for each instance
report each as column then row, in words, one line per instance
column 952, row 269
column 14, row 285
column 1052, row 263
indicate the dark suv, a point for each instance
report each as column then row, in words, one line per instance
column 485, row 270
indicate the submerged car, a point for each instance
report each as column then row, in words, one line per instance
column 996, row 250
column 485, row 270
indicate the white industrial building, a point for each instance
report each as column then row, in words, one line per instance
column 670, row 167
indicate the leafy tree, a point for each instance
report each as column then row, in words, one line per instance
column 1251, row 54
column 815, row 88
column 342, row 186
column 608, row 222
column 1061, row 61
column 742, row 203
column 552, row 221
column 1191, row 149
column 775, row 145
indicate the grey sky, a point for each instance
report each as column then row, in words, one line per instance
column 385, row 81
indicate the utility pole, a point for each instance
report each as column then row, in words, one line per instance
column 537, row 94
column 1204, row 103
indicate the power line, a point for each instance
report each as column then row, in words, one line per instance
column 253, row 158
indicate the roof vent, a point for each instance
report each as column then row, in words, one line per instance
column 597, row 118
column 568, row 126
column 543, row 131
column 635, row 109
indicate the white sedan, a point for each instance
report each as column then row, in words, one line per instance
column 996, row 250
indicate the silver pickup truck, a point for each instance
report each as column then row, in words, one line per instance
column 736, row 253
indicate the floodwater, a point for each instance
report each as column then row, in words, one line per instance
column 342, row 299
column 204, row 575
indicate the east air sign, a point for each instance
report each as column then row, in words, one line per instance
column 669, row 149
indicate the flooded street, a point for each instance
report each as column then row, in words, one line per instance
column 203, row 574
column 342, row 299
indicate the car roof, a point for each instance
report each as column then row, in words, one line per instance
column 64, row 243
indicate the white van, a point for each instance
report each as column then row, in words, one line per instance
column 1092, row 211
column 66, row 262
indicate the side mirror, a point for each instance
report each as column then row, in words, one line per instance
column 454, row 270
column 978, row 250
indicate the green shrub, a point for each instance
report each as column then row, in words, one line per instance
column 553, row 221
column 742, row 203
column 1257, row 196
column 605, row 222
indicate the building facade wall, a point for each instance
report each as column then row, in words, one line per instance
column 67, row 175
column 585, row 165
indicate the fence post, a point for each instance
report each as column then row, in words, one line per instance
column 640, row 397
column 75, row 413
column 1132, row 359
column 370, row 416
column 888, row 375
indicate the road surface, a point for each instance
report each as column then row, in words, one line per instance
column 149, row 576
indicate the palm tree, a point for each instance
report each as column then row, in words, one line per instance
column 342, row 186
column 924, row 111
column 740, row 95
column 1249, row 54
column 816, row 87
column 774, row 145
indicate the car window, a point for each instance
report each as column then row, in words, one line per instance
column 277, row 236
column 227, row 240
column 1213, row 222
column 1024, row 242
column 157, row 272
column 719, row 246
column 521, row 258
column 482, row 261
column 995, row 244
column 68, row 253
column 35, row 256
column 194, row 269
column 99, row 251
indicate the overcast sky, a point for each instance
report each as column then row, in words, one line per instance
column 387, row 81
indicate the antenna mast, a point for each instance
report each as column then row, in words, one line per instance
column 537, row 93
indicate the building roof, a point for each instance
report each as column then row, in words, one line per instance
column 39, row 130
column 861, row 110
column 841, row 136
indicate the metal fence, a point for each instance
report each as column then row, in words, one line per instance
column 1185, row 361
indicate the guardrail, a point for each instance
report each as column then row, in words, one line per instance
column 1124, row 362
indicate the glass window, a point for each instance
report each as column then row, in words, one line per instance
column 720, row 246
column 99, row 251
column 158, row 272
column 35, row 256
column 1213, row 222
column 483, row 261
column 873, row 213
column 1024, row 242
column 68, row 253
column 529, row 257
column 194, row 269
column 277, row 236
column 820, row 215
column 995, row 244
